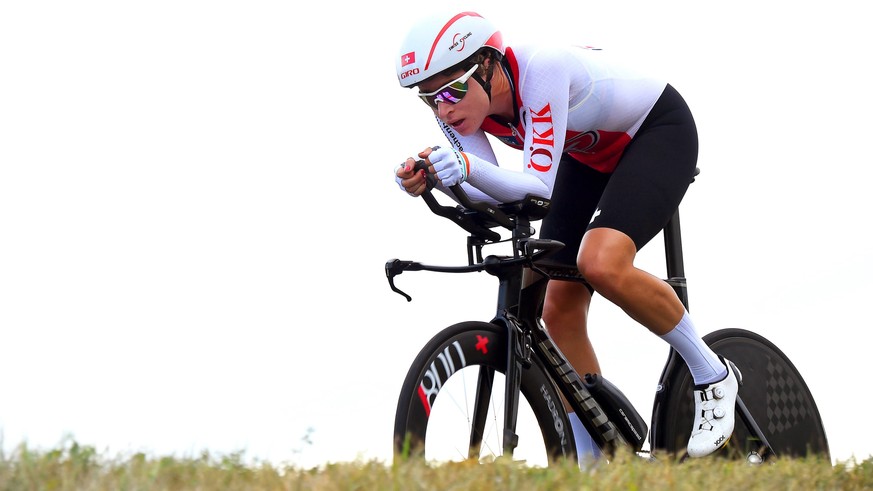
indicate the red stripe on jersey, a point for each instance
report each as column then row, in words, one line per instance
column 600, row 150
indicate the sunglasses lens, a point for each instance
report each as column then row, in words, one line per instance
column 451, row 93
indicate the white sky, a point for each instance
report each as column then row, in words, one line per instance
column 197, row 202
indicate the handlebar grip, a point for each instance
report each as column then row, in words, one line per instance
column 430, row 179
column 492, row 212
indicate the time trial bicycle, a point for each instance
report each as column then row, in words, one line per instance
column 481, row 390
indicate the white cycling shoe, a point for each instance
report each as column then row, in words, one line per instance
column 714, row 413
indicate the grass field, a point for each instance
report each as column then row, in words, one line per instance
column 71, row 466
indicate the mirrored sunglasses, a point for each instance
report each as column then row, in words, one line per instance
column 451, row 92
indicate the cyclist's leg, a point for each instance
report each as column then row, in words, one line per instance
column 565, row 314
column 640, row 198
column 606, row 260
column 565, row 308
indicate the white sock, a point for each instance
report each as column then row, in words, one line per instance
column 705, row 366
column 586, row 449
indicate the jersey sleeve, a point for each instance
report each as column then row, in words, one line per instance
column 477, row 147
column 488, row 181
column 545, row 90
column 491, row 182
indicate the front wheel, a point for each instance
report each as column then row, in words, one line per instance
column 452, row 402
column 773, row 390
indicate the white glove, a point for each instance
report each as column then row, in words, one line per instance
column 451, row 166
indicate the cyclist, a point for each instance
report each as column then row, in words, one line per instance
column 614, row 150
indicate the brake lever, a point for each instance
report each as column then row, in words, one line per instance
column 393, row 268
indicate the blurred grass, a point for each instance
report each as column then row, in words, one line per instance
column 71, row 466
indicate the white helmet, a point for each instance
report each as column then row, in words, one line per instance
column 437, row 42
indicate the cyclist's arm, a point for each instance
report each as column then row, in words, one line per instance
column 476, row 144
column 545, row 112
column 545, row 120
column 488, row 181
column 505, row 185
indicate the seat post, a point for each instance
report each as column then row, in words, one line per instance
column 675, row 260
column 673, row 254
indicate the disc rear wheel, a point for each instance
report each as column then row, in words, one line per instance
column 773, row 391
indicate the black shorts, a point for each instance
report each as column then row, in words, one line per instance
column 643, row 192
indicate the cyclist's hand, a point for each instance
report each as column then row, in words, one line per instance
column 450, row 165
column 414, row 183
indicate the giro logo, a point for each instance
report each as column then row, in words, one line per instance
column 409, row 73
column 543, row 139
column 459, row 42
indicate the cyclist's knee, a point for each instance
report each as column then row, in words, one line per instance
column 605, row 268
column 604, row 276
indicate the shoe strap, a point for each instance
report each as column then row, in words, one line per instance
column 711, row 393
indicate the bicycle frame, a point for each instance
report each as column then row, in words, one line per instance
column 521, row 290
column 522, row 284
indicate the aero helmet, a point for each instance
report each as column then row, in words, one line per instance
column 439, row 42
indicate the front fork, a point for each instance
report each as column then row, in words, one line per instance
column 517, row 359
column 513, row 387
column 518, row 353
